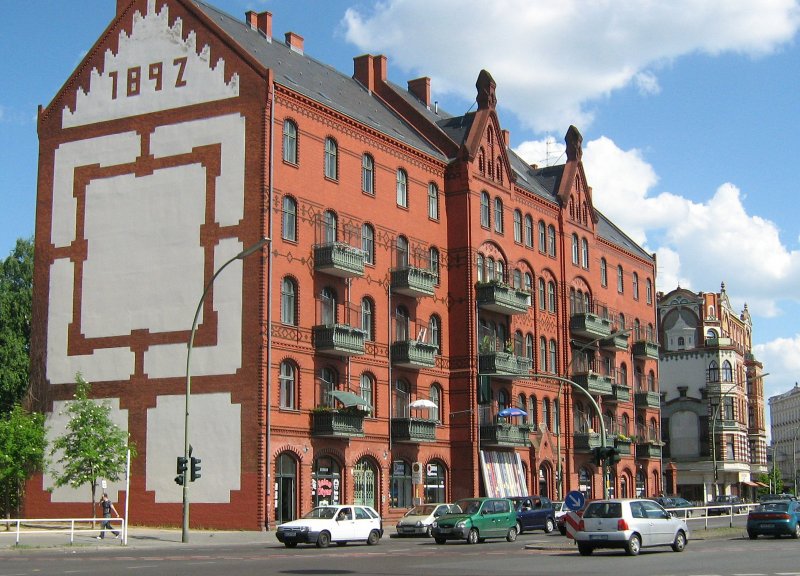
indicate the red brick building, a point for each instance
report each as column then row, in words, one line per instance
column 419, row 279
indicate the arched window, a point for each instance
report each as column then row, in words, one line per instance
column 503, row 400
column 368, row 243
column 367, row 318
column 485, row 209
column 433, row 261
column 368, row 392
column 328, row 306
column 546, row 413
column 289, row 219
column 434, row 328
column 490, row 269
column 551, row 240
column 622, row 375
column 367, row 174
column 553, row 356
column 533, row 410
column 626, row 425
column 527, row 285
column 288, row 385
column 328, row 382
column 518, row 343
column 727, row 371
column 402, row 188
column 501, row 271
column 288, row 302
column 521, row 404
column 575, row 249
column 402, row 252
column 331, row 159
column 400, row 487
column 479, row 266
column 528, row 231
column 637, row 329
column 517, row 280
column 620, row 280
column 517, row 226
column 435, row 397
column 584, row 253
column 542, row 237
column 401, row 324
column 498, row 215
column 542, row 354
column 603, row 272
column 433, row 201
column 529, row 347
column 542, row 299
column 551, row 297
column 651, row 381
column 329, row 227
column 290, row 142
column 635, row 285
column 649, row 291
column 556, row 417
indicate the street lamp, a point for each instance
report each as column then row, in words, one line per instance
column 240, row 256
column 579, row 350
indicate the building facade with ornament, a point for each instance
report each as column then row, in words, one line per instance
column 784, row 417
column 429, row 318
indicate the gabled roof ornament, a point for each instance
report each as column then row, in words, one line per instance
column 574, row 141
column 486, row 86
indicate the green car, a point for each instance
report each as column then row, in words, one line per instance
column 479, row 519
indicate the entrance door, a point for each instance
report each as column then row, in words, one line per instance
column 364, row 477
column 285, row 488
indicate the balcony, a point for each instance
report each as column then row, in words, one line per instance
column 504, row 365
column 647, row 399
column 589, row 326
column 411, row 281
column 645, row 349
column 594, row 383
column 623, row 445
column 503, row 434
column 413, row 354
column 586, row 440
column 502, row 298
column 333, row 424
column 717, row 342
column 338, row 340
column 649, row 449
column 413, row 430
column 339, row 259
column 618, row 343
column 619, row 393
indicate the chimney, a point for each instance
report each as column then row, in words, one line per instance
column 379, row 68
column 421, row 88
column 261, row 21
column 362, row 71
column 506, row 137
column 295, row 42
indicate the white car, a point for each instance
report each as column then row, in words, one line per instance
column 629, row 523
column 326, row 524
column 418, row 520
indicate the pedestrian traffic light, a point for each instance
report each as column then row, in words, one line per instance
column 195, row 468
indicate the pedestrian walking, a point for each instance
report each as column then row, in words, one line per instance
column 108, row 508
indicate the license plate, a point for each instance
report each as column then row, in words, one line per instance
column 768, row 525
column 289, row 535
column 445, row 530
column 598, row 536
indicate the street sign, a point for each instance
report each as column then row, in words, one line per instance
column 574, row 500
column 571, row 523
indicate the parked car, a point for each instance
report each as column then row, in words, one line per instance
column 774, row 518
column 560, row 509
column 724, row 503
column 479, row 519
column 674, row 503
column 771, row 497
column 326, row 524
column 630, row 524
column 418, row 520
column 534, row 513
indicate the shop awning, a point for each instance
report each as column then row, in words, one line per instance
column 762, row 485
column 754, row 484
column 348, row 398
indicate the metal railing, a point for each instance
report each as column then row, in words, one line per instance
column 70, row 526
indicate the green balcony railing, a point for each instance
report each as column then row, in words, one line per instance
column 339, row 259
column 647, row 399
column 413, row 430
column 413, row 354
column 331, row 423
column 505, row 434
column 645, row 349
column 594, row 383
column 618, row 343
column 619, row 393
column 502, row 298
column 412, row 281
column 623, row 445
column 586, row 440
column 504, row 365
column 590, row 326
column 338, row 340
column 650, row 450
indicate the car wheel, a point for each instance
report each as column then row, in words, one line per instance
column 290, row 544
column 440, row 540
column 633, row 545
column 680, row 542
column 323, row 540
column 519, row 528
column 585, row 549
column 373, row 538
column 796, row 533
column 549, row 526
column 472, row 537
column 512, row 534
column 752, row 535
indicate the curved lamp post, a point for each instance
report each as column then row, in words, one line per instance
column 240, row 256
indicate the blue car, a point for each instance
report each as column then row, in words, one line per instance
column 534, row 513
column 774, row 518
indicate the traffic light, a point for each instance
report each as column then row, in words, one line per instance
column 599, row 455
column 195, row 468
column 612, row 454
column 181, row 468
column 606, row 454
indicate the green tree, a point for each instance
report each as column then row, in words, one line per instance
column 16, row 290
column 22, row 452
column 93, row 447
column 773, row 480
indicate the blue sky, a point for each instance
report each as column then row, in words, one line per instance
column 688, row 109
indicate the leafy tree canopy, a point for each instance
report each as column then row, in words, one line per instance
column 93, row 447
column 16, row 292
column 22, row 452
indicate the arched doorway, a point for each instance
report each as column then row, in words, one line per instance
column 326, row 482
column 544, row 484
column 435, row 482
column 365, row 477
column 640, row 484
column 285, row 488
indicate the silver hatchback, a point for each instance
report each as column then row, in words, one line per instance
column 631, row 524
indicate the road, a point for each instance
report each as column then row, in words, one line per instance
column 533, row 553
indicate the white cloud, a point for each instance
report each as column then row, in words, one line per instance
column 781, row 359
column 562, row 56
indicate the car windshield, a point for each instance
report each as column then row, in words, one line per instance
column 469, row 506
column 426, row 510
column 773, row 507
column 603, row 510
column 322, row 513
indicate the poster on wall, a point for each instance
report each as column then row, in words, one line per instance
column 503, row 474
